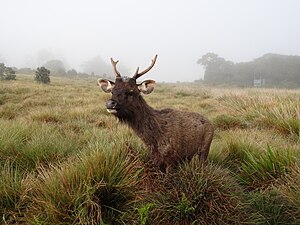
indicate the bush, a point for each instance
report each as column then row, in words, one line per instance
column 42, row 75
column 7, row 73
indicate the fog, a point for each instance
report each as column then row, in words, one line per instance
column 133, row 31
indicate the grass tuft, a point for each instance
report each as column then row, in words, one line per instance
column 225, row 122
column 262, row 170
column 199, row 194
column 10, row 192
column 95, row 188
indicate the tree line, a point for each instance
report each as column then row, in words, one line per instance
column 276, row 70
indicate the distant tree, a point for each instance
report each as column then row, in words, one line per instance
column 217, row 69
column 42, row 75
column 7, row 73
column 2, row 69
column 56, row 67
column 72, row 72
column 208, row 59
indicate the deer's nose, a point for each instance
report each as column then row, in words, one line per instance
column 111, row 104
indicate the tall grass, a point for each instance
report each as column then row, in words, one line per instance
column 100, row 187
column 10, row 192
column 271, row 110
column 200, row 194
column 65, row 160
column 30, row 145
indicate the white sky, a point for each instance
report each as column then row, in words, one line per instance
column 133, row 31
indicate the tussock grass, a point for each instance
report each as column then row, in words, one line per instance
column 280, row 112
column 99, row 187
column 29, row 145
column 291, row 195
column 225, row 122
column 271, row 207
column 262, row 170
column 65, row 160
column 200, row 194
column 10, row 192
column 255, row 162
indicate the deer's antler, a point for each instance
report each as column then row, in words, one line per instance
column 114, row 64
column 137, row 74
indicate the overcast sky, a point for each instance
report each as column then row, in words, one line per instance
column 133, row 31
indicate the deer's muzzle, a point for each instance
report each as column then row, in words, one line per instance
column 111, row 106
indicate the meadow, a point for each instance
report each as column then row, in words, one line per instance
column 65, row 160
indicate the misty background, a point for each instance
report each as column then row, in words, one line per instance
column 132, row 31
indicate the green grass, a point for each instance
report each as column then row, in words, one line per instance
column 65, row 160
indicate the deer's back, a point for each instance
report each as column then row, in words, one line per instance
column 184, row 133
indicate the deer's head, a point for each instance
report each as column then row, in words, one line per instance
column 126, row 91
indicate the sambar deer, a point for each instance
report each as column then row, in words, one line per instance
column 171, row 136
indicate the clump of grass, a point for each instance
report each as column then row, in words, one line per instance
column 48, row 116
column 9, row 111
column 10, row 191
column 230, row 151
column 199, row 194
column 271, row 110
column 225, row 122
column 271, row 206
column 254, row 165
column 13, row 138
column 100, row 187
column 290, row 191
column 28, row 145
column 262, row 170
column 285, row 118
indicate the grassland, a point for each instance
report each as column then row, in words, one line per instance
column 65, row 160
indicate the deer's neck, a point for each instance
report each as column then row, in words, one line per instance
column 145, row 122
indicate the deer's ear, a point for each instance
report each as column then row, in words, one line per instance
column 147, row 86
column 106, row 85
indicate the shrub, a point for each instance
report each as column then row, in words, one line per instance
column 42, row 75
column 7, row 73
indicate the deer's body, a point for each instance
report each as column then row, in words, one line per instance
column 171, row 136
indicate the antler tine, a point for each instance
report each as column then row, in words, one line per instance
column 114, row 64
column 137, row 74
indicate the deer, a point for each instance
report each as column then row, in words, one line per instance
column 170, row 136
